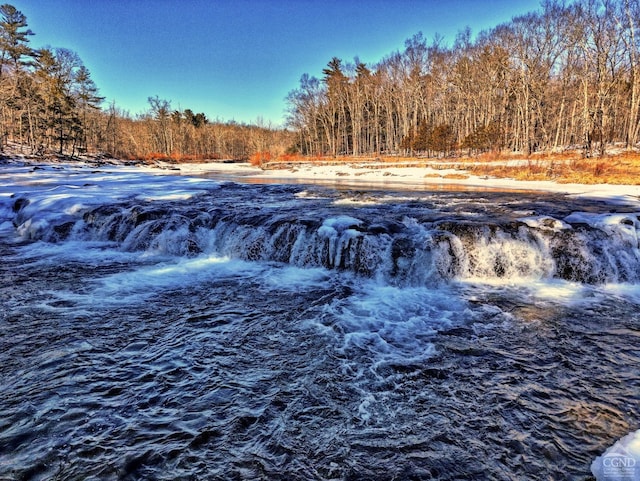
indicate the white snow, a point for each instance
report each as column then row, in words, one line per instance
column 410, row 177
column 347, row 174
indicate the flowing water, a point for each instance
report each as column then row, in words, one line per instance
column 165, row 327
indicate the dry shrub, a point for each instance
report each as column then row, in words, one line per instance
column 600, row 168
column 289, row 158
column 489, row 156
column 155, row 156
column 178, row 157
column 560, row 156
column 455, row 176
column 563, row 167
column 258, row 158
column 569, row 167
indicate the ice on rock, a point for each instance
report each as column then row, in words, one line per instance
column 545, row 222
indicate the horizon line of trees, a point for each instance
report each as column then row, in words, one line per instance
column 50, row 103
column 566, row 76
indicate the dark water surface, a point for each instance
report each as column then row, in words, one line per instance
column 158, row 327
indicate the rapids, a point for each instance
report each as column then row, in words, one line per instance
column 167, row 327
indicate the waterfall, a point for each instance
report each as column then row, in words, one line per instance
column 399, row 249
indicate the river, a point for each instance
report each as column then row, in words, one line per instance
column 173, row 327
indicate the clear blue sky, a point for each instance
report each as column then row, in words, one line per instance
column 238, row 59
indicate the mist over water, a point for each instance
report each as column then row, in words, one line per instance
column 163, row 327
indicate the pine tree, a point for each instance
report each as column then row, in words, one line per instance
column 13, row 37
column 88, row 101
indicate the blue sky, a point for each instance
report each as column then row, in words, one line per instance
column 238, row 59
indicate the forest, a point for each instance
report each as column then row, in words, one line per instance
column 49, row 104
column 563, row 77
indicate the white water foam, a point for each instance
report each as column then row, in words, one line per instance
column 396, row 324
column 627, row 291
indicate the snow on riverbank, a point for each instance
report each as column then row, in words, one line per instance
column 409, row 177
column 363, row 175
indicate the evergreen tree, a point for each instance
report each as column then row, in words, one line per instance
column 14, row 38
column 88, row 100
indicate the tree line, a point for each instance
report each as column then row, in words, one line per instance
column 49, row 103
column 565, row 76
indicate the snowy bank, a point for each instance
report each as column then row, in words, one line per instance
column 360, row 175
column 407, row 177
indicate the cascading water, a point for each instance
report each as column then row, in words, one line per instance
column 410, row 247
column 163, row 327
